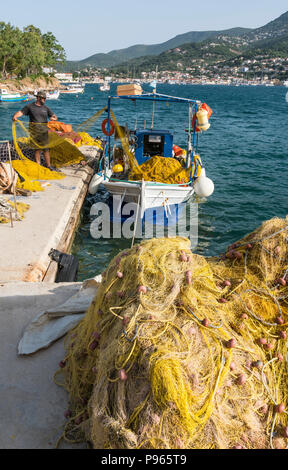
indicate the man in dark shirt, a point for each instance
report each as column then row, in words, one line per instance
column 38, row 114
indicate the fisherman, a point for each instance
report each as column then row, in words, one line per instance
column 38, row 114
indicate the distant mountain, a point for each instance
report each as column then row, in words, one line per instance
column 220, row 45
column 119, row 56
column 272, row 30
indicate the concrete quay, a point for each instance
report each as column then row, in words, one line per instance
column 50, row 222
column 32, row 406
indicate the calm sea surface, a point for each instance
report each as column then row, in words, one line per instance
column 245, row 153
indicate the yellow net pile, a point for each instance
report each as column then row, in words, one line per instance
column 63, row 147
column 176, row 351
column 162, row 170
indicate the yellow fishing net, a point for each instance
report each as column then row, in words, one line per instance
column 62, row 143
column 10, row 211
column 163, row 170
column 178, row 351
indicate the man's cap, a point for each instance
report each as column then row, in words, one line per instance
column 41, row 94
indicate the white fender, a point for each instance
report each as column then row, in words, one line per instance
column 95, row 183
column 203, row 186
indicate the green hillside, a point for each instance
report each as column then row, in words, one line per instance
column 119, row 56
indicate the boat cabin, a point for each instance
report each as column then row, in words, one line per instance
column 149, row 143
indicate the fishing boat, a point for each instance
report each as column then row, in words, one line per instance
column 105, row 86
column 52, row 94
column 9, row 97
column 74, row 89
column 143, row 144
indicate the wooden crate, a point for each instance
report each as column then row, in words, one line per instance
column 129, row 89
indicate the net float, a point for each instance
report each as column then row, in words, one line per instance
column 244, row 316
column 237, row 255
column 230, row 254
column 269, row 346
column 223, row 301
column 281, row 281
column 78, row 420
column 125, row 320
column 62, row 364
column 280, row 408
column 93, row 345
column 188, row 276
column 231, row 343
column 121, row 294
column 279, row 320
column 285, row 431
column 232, row 366
column 262, row 341
column 241, row 379
column 278, row 250
column 227, row 283
column 249, row 246
column 122, row 374
column 280, row 357
column 283, row 335
column 257, row 364
column 205, row 322
column 183, row 258
column 119, row 274
column 142, row 289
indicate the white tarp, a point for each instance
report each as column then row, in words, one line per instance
column 51, row 324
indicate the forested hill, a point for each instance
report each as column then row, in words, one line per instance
column 140, row 50
column 234, row 41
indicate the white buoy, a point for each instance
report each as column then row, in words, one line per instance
column 95, row 183
column 203, row 186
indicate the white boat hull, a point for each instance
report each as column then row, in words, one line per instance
column 149, row 195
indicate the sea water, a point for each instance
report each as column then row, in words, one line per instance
column 245, row 153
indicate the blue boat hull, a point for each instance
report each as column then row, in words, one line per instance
column 13, row 100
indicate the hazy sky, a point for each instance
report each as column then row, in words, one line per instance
column 86, row 27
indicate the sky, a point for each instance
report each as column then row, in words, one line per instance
column 87, row 27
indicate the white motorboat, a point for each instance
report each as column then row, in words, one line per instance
column 75, row 89
column 105, row 87
column 140, row 146
column 52, row 95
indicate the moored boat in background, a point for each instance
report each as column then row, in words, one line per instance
column 10, row 97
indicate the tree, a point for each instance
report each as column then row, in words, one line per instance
column 54, row 52
column 33, row 52
column 9, row 47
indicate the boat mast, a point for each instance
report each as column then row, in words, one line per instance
column 154, row 91
column 189, row 147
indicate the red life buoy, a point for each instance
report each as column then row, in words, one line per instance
column 111, row 127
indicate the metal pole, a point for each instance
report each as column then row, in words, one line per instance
column 107, row 150
column 12, row 176
column 135, row 223
column 189, row 148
